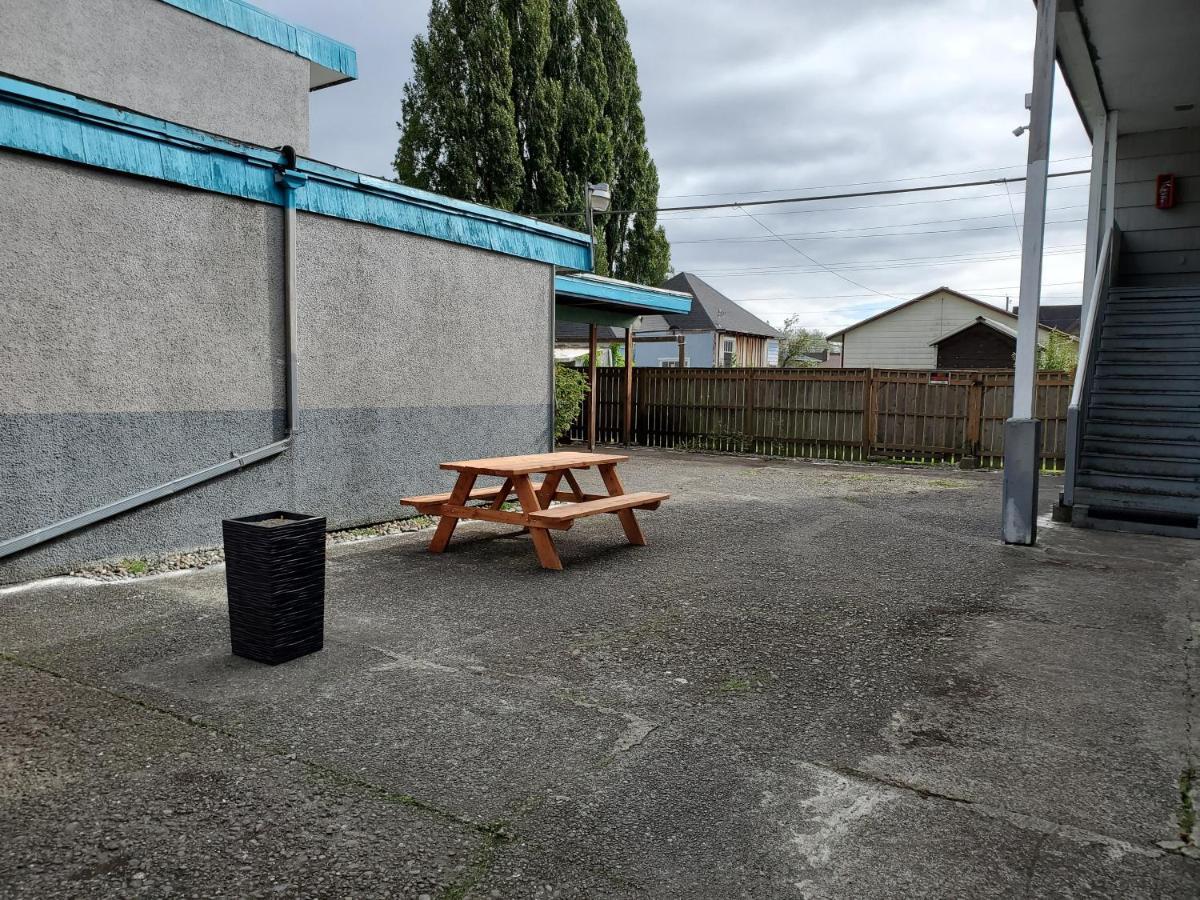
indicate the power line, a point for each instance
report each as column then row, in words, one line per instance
column 827, row 209
column 895, row 263
column 834, row 236
column 912, row 224
column 841, row 196
column 820, row 187
column 821, row 265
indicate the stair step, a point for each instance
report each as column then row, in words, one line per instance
column 1148, row 330
column 1161, row 365
column 1148, row 384
column 1124, row 410
column 1146, row 316
column 1112, row 428
column 1136, row 502
column 1148, row 466
column 1127, row 394
column 1164, row 298
column 1128, row 483
column 1159, row 298
column 1180, row 348
column 1160, row 448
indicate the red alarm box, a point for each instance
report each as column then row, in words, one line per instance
column 1164, row 191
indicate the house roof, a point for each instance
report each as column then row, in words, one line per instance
column 979, row 320
column 995, row 310
column 713, row 311
column 1063, row 317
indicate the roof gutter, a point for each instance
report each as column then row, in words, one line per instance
column 289, row 180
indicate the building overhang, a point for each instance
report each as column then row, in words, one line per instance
column 593, row 299
column 331, row 62
column 1134, row 58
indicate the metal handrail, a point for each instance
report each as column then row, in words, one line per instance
column 1089, row 340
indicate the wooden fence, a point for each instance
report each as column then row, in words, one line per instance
column 849, row 414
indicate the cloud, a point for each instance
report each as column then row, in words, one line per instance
column 774, row 96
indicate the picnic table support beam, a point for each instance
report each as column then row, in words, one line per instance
column 591, row 410
column 543, row 544
column 627, row 406
column 629, row 522
column 458, row 497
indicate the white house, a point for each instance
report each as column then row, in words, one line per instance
column 908, row 336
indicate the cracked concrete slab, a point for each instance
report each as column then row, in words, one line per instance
column 816, row 681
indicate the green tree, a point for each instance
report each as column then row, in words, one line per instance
column 1060, row 353
column 522, row 104
column 797, row 342
column 458, row 126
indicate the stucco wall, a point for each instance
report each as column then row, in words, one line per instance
column 157, row 59
column 1159, row 246
column 141, row 339
column 902, row 339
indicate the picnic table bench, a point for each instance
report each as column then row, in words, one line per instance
column 535, row 497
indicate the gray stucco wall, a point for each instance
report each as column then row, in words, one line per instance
column 157, row 59
column 141, row 339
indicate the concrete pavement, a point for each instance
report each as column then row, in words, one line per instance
column 817, row 681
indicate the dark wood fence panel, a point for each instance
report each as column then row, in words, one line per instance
column 847, row 414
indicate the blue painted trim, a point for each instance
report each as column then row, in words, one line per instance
column 623, row 293
column 262, row 25
column 48, row 122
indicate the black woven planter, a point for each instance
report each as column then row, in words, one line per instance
column 275, row 579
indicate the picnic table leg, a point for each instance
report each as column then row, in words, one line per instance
column 574, row 485
column 543, row 544
column 549, row 489
column 446, row 524
column 612, row 481
column 505, row 490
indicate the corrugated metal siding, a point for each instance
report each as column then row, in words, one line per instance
column 1159, row 247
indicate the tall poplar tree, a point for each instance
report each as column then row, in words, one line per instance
column 523, row 103
column 459, row 133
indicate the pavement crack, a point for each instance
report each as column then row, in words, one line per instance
column 322, row 770
column 1033, row 861
column 1024, row 821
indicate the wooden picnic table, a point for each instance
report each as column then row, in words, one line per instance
column 535, row 497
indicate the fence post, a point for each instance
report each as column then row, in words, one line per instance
column 748, row 413
column 973, row 430
column 868, row 420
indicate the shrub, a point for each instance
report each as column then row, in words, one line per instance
column 569, row 387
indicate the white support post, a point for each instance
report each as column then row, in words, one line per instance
column 1110, row 171
column 1095, row 208
column 1022, row 432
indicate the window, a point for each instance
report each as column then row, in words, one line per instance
column 728, row 352
column 672, row 362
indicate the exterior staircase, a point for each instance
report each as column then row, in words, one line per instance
column 1139, row 456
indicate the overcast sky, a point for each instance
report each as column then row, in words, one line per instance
column 747, row 99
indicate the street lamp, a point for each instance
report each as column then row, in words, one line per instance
column 597, row 198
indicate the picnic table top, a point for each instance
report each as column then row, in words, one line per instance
column 506, row 466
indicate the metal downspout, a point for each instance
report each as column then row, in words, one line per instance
column 289, row 180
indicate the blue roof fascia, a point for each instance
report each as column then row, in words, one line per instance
column 47, row 122
column 623, row 293
column 263, row 26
